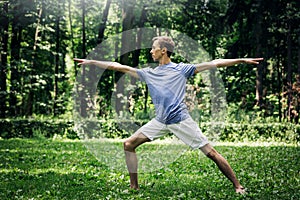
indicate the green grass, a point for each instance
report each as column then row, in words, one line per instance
column 54, row 169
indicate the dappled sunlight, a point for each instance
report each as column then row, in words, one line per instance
column 266, row 171
column 255, row 144
column 151, row 156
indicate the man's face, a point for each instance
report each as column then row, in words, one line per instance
column 156, row 51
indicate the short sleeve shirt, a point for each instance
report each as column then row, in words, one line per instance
column 167, row 86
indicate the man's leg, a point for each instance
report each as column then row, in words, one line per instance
column 130, row 145
column 224, row 166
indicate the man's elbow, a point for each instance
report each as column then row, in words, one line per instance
column 114, row 66
column 216, row 63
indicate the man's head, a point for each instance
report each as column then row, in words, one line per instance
column 162, row 45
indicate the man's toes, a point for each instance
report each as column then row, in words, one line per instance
column 241, row 190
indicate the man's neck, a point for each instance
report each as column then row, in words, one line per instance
column 164, row 61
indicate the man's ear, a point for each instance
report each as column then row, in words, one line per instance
column 164, row 50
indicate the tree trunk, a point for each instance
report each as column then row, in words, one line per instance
column 279, row 85
column 106, row 85
column 298, row 81
column 103, row 22
column 289, row 71
column 127, row 42
column 72, row 35
column 56, row 70
column 83, row 95
column 3, row 58
column 15, row 79
column 260, row 67
column 30, row 99
column 298, row 64
column 137, row 52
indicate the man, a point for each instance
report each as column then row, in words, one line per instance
column 166, row 84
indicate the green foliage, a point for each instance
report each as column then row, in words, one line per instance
column 39, row 74
column 104, row 128
column 269, row 132
column 62, row 169
column 27, row 128
column 118, row 128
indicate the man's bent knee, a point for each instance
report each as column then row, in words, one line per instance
column 134, row 141
column 128, row 146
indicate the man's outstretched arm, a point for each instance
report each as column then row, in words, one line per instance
column 109, row 65
column 225, row 63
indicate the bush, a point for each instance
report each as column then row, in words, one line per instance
column 28, row 128
column 275, row 132
column 111, row 128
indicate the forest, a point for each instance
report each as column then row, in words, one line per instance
column 49, row 104
column 40, row 38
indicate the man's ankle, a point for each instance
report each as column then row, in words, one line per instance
column 134, row 187
column 240, row 189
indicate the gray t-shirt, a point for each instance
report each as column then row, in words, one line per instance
column 167, row 86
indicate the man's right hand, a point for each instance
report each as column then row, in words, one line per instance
column 82, row 61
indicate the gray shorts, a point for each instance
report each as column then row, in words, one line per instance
column 187, row 130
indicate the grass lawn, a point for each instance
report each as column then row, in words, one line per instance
column 65, row 169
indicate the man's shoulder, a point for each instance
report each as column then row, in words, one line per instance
column 145, row 69
column 182, row 65
column 186, row 68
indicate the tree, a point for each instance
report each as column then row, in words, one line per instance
column 126, row 42
column 30, row 99
column 72, row 34
column 4, row 51
column 15, row 46
column 83, row 101
column 106, row 82
column 258, row 43
column 103, row 22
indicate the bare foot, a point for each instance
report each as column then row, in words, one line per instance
column 134, row 187
column 240, row 190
